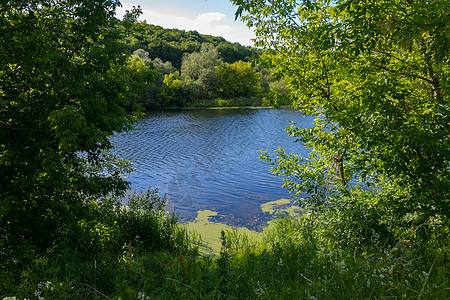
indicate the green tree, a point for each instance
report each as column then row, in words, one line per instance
column 141, row 77
column 376, row 76
column 194, row 63
column 237, row 80
column 163, row 67
column 141, row 54
column 169, row 91
column 62, row 95
column 231, row 53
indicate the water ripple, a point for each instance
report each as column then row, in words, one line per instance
column 208, row 159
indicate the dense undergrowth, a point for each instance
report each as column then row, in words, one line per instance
column 140, row 252
column 93, row 260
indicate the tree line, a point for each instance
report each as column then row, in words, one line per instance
column 173, row 68
column 172, row 44
column 203, row 77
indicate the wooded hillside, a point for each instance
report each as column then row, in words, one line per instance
column 171, row 44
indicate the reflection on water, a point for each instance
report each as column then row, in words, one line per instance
column 208, row 159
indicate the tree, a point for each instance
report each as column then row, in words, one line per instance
column 237, row 80
column 141, row 54
column 163, row 67
column 231, row 53
column 194, row 63
column 376, row 76
column 141, row 76
column 63, row 93
column 169, row 90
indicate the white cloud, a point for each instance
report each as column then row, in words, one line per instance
column 213, row 23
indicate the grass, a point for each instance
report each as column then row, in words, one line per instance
column 142, row 253
column 210, row 232
column 234, row 102
column 292, row 264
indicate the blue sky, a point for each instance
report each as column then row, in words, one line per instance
column 214, row 17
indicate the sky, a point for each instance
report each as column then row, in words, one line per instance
column 213, row 17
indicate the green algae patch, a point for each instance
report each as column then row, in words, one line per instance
column 210, row 232
column 282, row 206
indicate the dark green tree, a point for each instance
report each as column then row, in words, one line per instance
column 62, row 95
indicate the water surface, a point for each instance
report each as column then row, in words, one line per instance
column 208, row 159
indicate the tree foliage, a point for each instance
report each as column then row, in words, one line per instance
column 376, row 76
column 203, row 76
column 172, row 44
column 195, row 63
column 191, row 58
column 141, row 75
column 237, row 79
column 62, row 94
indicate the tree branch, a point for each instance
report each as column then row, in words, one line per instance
column 418, row 76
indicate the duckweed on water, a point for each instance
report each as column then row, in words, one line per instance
column 210, row 231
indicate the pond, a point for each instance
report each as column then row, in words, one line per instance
column 209, row 159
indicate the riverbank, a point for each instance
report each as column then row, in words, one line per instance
column 210, row 230
column 217, row 103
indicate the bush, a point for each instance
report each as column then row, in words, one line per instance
column 88, row 261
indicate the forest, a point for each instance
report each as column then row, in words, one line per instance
column 173, row 68
column 374, row 188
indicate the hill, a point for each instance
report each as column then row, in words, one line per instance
column 171, row 44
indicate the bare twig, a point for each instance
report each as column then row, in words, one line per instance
column 94, row 289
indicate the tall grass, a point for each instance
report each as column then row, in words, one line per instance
column 140, row 252
column 97, row 257
column 296, row 262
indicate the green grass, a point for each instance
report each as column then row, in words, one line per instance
column 142, row 253
column 292, row 264
column 234, row 102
